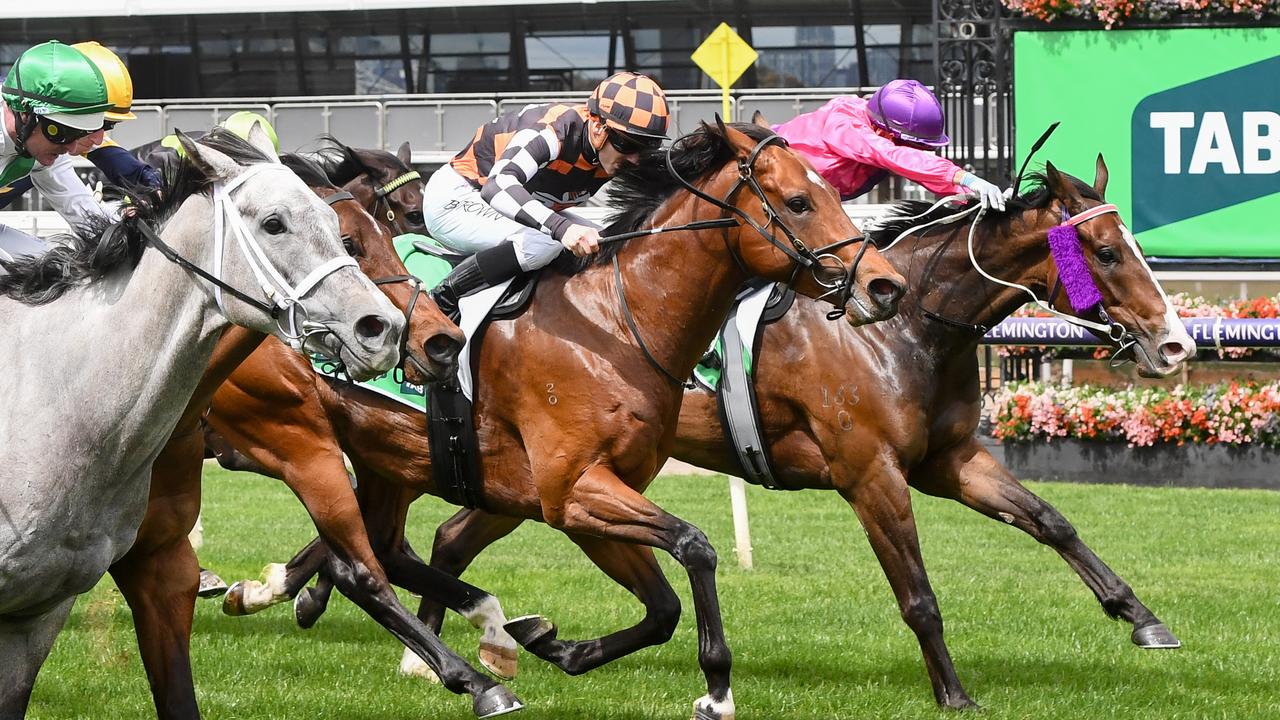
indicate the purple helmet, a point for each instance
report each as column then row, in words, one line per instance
column 910, row 112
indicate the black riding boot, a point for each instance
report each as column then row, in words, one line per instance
column 486, row 268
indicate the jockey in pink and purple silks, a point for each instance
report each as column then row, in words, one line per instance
column 855, row 143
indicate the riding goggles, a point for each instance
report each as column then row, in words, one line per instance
column 60, row 134
column 630, row 144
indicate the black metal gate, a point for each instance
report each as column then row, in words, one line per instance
column 973, row 60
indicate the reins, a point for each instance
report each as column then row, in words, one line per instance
column 800, row 254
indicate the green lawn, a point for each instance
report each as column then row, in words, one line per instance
column 814, row 628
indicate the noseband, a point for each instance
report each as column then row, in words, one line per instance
column 418, row 290
column 804, row 258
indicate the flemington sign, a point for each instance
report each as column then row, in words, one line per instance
column 1206, row 331
column 1187, row 119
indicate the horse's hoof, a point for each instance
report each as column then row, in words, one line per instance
column 495, row 701
column 530, row 629
column 233, row 600
column 704, row 708
column 306, row 609
column 964, row 702
column 500, row 661
column 1155, row 637
column 210, row 584
column 413, row 666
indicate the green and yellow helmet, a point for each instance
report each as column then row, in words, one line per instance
column 242, row 122
column 58, row 83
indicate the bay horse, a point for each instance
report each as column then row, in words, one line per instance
column 392, row 191
column 573, row 432
column 873, row 411
column 159, row 575
column 142, row 311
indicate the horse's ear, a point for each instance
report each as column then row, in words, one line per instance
column 259, row 139
column 757, row 118
column 1059, row 185
column 1100, row 177
column 211, row 163
column 404, row 153
column 724, row 131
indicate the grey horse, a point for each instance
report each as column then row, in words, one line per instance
column 102, row 342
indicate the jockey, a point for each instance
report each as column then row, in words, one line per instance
column 856, row 143
column 118, row 165
column 503, row 199
column 54, row 100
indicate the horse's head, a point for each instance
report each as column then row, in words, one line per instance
column 284, row 266
column 384, row 183
column 1128, row 298
column 432, row 342
column 796, row 231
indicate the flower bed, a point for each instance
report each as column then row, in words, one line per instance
column 1116, row 12
column 1231, row 414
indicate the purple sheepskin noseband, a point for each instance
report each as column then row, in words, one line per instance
column 1073, row 271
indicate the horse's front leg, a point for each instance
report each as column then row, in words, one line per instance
column 969, row 474
column 879, row 495
column 602, row 513
column 159, row 575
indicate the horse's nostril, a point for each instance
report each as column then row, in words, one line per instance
column 885, row 291
column 1173, row 352
column 370, row 327
column 442, row 348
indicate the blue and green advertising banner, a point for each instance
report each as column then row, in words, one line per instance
column 1188, row 121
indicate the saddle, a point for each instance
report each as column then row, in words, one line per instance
column 447, row 404
column 726, row 370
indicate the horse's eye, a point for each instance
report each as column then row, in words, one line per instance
column 414, row 217
column 798, row 205
column 1108, row 256
column 349, row 245
column 273, row 225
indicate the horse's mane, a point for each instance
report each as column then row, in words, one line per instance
column 343, row 164
column 308, row 170
column 98, row 246
column 902, row 214
column 639, row 190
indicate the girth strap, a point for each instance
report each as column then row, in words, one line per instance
column 739, row 411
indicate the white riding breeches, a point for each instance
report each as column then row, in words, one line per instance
column 458, row 217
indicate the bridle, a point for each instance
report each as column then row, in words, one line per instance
column 1066, row 252
column 800, row 254
column 414, row 283
column 281, row 297
column 380, row 196
column 815, row 260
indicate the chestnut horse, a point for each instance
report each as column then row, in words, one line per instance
column 918, row 428
column 159, row 575
column 575, row 411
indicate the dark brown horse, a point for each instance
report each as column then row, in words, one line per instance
column 876, row 410
column 159, row 574
column 575, row 417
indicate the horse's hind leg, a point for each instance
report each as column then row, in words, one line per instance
column 25, row 644
column 278, row 584
column 882, row 501
column 635, row 568
column 969, row 474
column 600, row 505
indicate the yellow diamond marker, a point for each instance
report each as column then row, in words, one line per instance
column 724, row 56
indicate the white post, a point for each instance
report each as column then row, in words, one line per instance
column 1068, row 371
column 741, row 531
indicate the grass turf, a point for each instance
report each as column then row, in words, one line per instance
column 814, row 628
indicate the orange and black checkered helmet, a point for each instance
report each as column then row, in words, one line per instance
column 631, row 103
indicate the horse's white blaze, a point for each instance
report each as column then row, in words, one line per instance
column 1177, row 332
column 487, row 616
column 815, row 178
